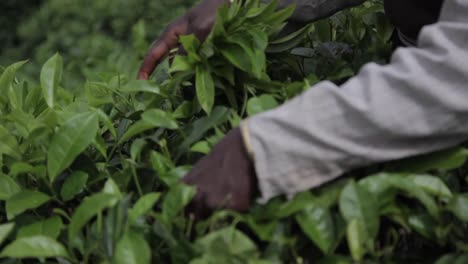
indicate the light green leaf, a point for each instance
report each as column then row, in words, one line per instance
column 73, row 185
column 176, row 199
column 201, row 147
column 107, row 122
column 88, row 209
column 72, row 138
column 459, row 206
column 51, row 75
column 8, row 187
column 8, row 144
column 7, row 78
column 260, row 104
column 5, row 230
column 135, row 86
column 159, row 118
column 135, row 150
column 180, row 63
column 23, row 201
column 50, row 227
column 143, row 205
column 432, row 185
column 236, row 242
column 34, row 247
column 111, row 187
column 205, row 88
column 405, row 184
column 135, row 129
column 356, row 203
column 132, row 248
column 317, row 223
column 357, row 237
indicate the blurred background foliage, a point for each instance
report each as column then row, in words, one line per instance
column 93, row 36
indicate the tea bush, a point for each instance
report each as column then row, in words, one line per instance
column 95, row 177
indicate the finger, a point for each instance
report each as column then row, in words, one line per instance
column 157, row 52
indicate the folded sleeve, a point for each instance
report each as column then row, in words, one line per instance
column 416, row 104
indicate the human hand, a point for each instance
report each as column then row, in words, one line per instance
column 224, row 179
column 198, row 21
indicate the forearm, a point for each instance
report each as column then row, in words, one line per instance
column 311, row 10
column 414, row 105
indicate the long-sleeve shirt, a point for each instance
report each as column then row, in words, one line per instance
column 416, row 104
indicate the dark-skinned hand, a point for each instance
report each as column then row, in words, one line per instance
column 225, row 179
column 198, row 21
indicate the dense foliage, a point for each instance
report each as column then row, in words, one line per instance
column 94, row 177
column 96, row 36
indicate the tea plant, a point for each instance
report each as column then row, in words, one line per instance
column 95, row 177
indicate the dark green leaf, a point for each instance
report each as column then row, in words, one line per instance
column 205, row 88
column 459, row 206
column 8, row 144
column 88, row 208
column 73, row 185
column 70, row 140
column 356, row 203
column 34, row 247
column 159, row 118
column 8, row 187
column 143, row 205
column 50, row 227
column 23, row 201
column 5, row 230
column 317, row 224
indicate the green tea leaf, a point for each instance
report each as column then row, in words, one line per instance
column 8, row 187
column 357, row 237
column 135, row 86
column 132, row 248
column 424, row 224
column 23, row 201
column 432, row 185
column 107, row 122
column 176, row 199
column 143, row 205
column 111, row 187
column 159, row 118
column 8, row 144
column 88, row 208
column 237, row 243
column 317, row 224
column 137, row 128
column 442, row 160
column 7, row 78
column 459, row 206
column 34, row 247
column 5, row 230
column 260, row 104
column 50, row 227
column 72, row 138
column 205, row 88
column 51, row 75
column 73, row 185
column 358, row 204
